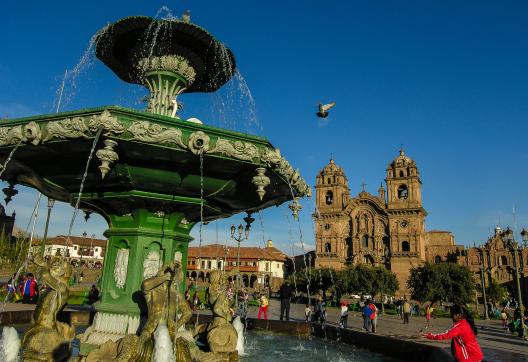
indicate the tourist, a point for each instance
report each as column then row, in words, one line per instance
column 263, row 306
column 428, row 312
column 406, row 307
column 504, row 318
column 307, row 312
column 81, row 276
column 367, row 312
column 373, row 317
column 11, row 289
column 285, row 293
column 343, row 319
column 324, row 316
column 463, row 334
column 93, row 295
column 29, row 290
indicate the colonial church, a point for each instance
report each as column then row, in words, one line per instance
column 384, row 229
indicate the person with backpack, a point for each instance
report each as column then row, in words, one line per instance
column 367, row 312
column 463, row 335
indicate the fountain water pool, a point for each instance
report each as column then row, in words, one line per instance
column 296, row 348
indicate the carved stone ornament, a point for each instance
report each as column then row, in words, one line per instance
column 108, row 123
column 67, row 128
column 121, row 267
column 273, row 158
column 236, row 149
column 173, row 63
column 261, row 181
column 198, row 143
column 154, row 133
column 107, row 155
column 32, row 133
column 12, row 135
column 295, row 207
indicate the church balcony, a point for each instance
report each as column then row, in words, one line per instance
column 327, row 255
column 404, row 254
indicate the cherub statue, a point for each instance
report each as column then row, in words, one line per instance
column 47, row 339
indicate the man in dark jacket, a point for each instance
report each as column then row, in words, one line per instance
column 285, row 293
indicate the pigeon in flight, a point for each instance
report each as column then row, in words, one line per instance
column 323, row 109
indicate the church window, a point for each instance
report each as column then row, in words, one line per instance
column 327, row 227
column 401, row 173
column 329, row 181
column 504, row 260
column 328, row 248
column 438, row 259
column 334, row 179
column 406, row 246
column 403, row 192
column 476, row 259
column 364, row 241
column 329, row 197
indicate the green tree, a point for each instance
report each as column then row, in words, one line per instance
column 496, row 293
column 447, row 282
column 384, row 283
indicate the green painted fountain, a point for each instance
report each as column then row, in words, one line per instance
column 153, row 175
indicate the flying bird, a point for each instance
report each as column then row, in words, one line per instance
column 323, row 109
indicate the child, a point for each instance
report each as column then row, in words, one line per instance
column 263, row 307
column 307, row 312
column 464, row 336
column 504, row 317
column 428, row 312
column 343, row 320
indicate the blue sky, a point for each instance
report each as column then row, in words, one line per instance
column 446, row 80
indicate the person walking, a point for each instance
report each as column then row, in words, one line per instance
column 406, row 311
column 373, row 317
column 428, row 312
column 263, row 307
column 285, row 293
column 93, row 295
column 367, row 312
column 463, row 334
column 318, row 309
column 343, row 320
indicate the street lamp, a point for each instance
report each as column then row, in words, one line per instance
column 51, row 202
column 482, row 281
column 242, row 233
column 513, row 246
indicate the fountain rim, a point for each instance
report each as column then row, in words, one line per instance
column 132, row 23
column 165, row 120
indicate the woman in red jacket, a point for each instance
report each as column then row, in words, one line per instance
column 463, row 334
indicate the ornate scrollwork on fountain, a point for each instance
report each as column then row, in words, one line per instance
column 236, row 149
column 12, row 135
column 108, row 123
column 67, row 128
column 199, row 143
column 261, row 181
column 173, row 63
column 154, row 133
column 121, row 268
column 107, row 155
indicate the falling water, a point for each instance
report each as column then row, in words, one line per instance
column 290, row 233
column 4, row 166
column 83, row 179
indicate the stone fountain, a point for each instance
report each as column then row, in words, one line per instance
column 153, row 175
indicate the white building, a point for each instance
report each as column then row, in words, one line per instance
column 85, row 250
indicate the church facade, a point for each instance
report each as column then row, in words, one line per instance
column 384, row 229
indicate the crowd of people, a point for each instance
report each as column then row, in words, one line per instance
column 23, row 289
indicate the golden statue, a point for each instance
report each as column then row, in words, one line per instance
column 221, row 335
column 166, row 305
column 47, row 339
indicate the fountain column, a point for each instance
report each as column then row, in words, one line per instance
column 136, row 242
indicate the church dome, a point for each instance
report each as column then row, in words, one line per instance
column 402, row 160
column 332, row 168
